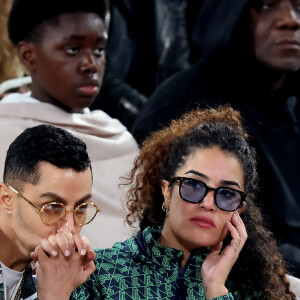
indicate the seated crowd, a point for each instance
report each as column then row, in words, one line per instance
column 204, row 207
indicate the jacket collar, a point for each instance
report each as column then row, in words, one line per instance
column 166, row 259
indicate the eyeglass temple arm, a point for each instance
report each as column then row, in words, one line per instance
column 175, row 179
column 97, row 207
column 14, row 190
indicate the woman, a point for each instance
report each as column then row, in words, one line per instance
column 192, row 191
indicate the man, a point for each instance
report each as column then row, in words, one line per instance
column 251, row 59
column 62, row 46
column 148, row 41
column 47, row 191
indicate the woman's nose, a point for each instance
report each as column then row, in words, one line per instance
column 208, row 201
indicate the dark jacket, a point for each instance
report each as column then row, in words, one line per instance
column 227, row 74
column 148, row 42
column 28, row 288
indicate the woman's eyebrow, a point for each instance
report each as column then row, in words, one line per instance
column 197, row 173
column 225, row 182
column 228, row 182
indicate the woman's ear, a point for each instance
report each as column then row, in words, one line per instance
column 26, row 53
column 241, row 209
column 165, row 189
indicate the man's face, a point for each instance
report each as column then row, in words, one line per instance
column 56, row 185
column 275, row 34
column 69, row 61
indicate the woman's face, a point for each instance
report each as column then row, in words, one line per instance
column 194, row 225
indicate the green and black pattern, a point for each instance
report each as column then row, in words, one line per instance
column 140, row 268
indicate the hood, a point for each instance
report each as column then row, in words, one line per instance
column 216, row 24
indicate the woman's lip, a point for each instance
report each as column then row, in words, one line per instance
column 204, row 222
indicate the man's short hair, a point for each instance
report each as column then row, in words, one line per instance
column 28, row 16
column 43, row 143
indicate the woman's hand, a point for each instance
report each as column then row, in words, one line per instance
column 64, row 262
column 217, row 266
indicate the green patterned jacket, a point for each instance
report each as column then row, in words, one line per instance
column 140, row 268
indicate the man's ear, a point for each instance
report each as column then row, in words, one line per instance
column 26, row 52
column 6, row 201
column 241, row 209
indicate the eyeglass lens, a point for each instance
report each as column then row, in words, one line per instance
column 194, row 191
column 54, row 212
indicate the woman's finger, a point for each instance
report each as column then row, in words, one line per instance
column 216, row 249
column 238, row 233
column 236, row 240
column 240, row 227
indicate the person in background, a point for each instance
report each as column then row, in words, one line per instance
column 148, row 42
column 193, row 192
column 62, row 46
column 10, row 66
column 251, row 59
column 46, row 193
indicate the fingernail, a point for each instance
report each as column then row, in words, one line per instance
column 82, row 252
column 35, row 266
column 67, row 253
column 236, row 215
column 54, row 253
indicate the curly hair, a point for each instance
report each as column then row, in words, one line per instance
column 164, row 152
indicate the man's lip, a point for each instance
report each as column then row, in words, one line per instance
column 90, row 82
column 89, row 88
column 203, row 221
column 288, row 42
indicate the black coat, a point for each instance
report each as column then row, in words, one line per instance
column 227, row 74
column 147, row 42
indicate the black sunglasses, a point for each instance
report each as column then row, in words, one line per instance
column 194, row 191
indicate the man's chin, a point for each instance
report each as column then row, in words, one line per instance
column 286, row 66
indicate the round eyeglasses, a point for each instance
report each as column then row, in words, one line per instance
column 194, row 191
column 51, row 213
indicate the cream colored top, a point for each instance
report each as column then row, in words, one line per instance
column 111, row 147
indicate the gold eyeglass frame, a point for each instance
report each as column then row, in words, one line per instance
column 41, row 209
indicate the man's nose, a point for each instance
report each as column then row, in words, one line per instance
column 88, row 63
column 67, row 223
column 288, row 16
